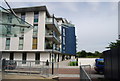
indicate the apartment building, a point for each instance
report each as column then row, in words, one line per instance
column 42, row 42
column 68, row 38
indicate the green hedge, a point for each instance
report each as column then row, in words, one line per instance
column 74, row 63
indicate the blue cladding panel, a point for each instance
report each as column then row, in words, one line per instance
column 70, row 40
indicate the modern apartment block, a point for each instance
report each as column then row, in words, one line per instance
column 44, row 41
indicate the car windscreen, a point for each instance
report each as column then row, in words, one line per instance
column 100, row 62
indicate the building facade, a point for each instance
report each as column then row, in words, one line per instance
column 41, row 43
column 68, row 39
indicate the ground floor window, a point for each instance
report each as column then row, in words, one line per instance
column 37, row 58
column 24, row 57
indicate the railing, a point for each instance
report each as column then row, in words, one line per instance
column 50, row 21
column 49, row 33
column 85, row 71
column 41, row 68
column 51, row 46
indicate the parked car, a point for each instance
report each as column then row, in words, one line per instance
column 10, row 64
column 99, row 65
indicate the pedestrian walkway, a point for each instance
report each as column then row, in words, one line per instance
column 64, row 64
column 68, row 73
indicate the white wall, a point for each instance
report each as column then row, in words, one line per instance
column 60, row 57
column 2, row 43
column 6, row 56
column 14, row 42
column 28, row 35
column 41, row 31
column 86, row 61
column 31, row 56
column 17, row 56
column 44, row 56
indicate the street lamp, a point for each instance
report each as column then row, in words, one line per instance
column 52, row 47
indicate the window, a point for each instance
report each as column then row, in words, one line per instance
column 35, row 30
column 34, row 46
column 63, row 47
column 63, row 31
column 7, row 44
column 8, row 28
column 37, row 58
column 21, row 30
column 21, row 41
column 64, row 40
column 11, row 56
column 10, row 18
column 23, row 18
column 24, row 56
column 36, row 15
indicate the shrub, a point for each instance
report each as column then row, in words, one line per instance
column 73, row 63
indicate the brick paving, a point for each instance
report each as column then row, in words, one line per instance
column 66, row 72
column 69, row 71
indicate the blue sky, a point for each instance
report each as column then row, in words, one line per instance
column 96, row 23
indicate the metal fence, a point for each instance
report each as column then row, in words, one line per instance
column 30, row 68
column 112, row 63
column 85, row 71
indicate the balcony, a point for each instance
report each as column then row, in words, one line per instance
column 52, row 24
column 50, row 46
column 52, row 37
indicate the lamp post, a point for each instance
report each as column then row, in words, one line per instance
column 52, row 47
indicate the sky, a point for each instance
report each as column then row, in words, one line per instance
column 96, row 22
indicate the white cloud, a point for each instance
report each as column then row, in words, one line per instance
column 94, row 5
column 63, row 0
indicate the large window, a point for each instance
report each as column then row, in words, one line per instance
column 9, row 18
column 64, row 40
column 7, row 44
column 63, row 31
column 8, row 28
column 24, row 57
column 36, row 15
column 35, row 30
column 37, row 58
column 23, row 18
column 21, row 41
column 34, row 46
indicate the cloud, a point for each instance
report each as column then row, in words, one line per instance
column 94, row 5
column 62, row 0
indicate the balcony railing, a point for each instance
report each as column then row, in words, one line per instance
column 51, row 21
column 51, row 46
column 52, row 34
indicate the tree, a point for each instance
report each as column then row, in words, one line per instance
column 82, row 53
column 114, row 44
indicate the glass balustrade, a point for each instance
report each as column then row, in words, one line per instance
column 11, row 25
column 50, row 21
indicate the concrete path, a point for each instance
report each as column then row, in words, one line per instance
column 68, row 73
column 64, row 64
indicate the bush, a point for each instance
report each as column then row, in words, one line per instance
column 74, row 63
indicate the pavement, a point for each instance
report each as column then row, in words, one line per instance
column 68, row 73
column 65, row 73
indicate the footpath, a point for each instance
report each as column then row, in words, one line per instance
column 68, row 73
